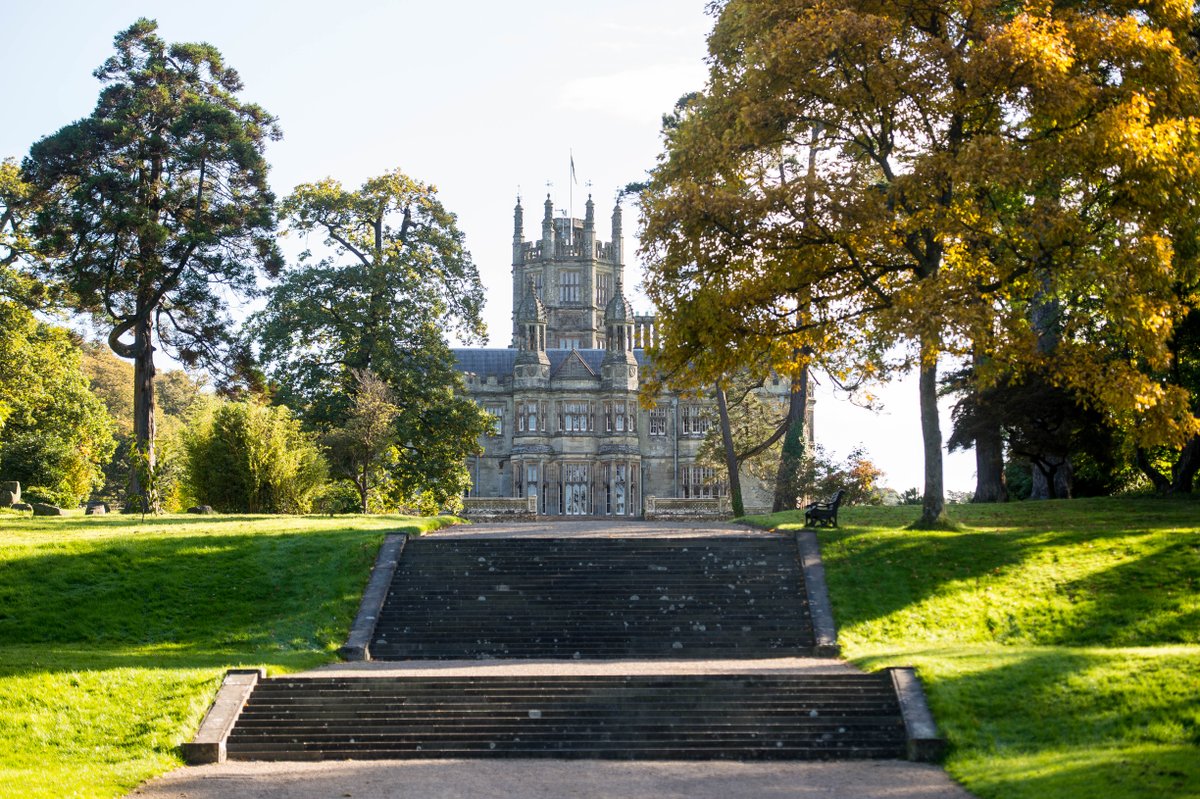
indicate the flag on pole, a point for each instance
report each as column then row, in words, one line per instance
column 573, row 179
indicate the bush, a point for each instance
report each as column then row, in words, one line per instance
column 49, row 496
column 339, row 496
column 245, row 457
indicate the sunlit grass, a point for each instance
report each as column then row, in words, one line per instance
column 115, row 631
column 1059, row 642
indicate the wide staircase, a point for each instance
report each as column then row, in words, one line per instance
column 575, row 600
column 595, row 598
column 687, row 717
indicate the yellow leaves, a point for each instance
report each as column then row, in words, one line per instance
column 1039, row 41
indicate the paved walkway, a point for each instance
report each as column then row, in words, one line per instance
column 556, row 779
column 597, row 528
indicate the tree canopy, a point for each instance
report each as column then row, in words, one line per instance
column 56, row 434
column 865, row 179
column 157, row 204
column 392, row 278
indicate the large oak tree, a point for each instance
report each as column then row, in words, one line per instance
column 392, row 279
column 926, row 174
column 155, row 208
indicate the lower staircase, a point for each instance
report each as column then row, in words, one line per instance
column 692, row 717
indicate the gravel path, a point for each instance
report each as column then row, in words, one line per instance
column 597, row 528
column 555, row 779
column 550, row 668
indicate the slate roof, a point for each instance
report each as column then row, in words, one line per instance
column 485, row 361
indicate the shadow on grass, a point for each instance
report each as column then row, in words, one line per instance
column 1046, row 722
column 203, row 593
column 1077, row 584
column 1150, row 598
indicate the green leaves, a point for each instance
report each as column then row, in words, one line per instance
column 391, row 278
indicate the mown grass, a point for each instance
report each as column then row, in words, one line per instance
column 114, row 631
column 1059, row 642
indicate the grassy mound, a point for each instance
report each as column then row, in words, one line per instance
column 114, row 633
column 1059, row 642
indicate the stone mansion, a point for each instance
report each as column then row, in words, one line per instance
column 569, row 433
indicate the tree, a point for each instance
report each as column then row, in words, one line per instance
column 366, row 445
column 393, row 277
column 967, row 163
column 156, row 204
column 57, row 434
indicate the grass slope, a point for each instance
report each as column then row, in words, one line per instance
column 115, row 632
column 1059, row 642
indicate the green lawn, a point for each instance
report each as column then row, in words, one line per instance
column 1059, row 642
column 114, row 633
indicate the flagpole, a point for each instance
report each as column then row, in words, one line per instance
column 571, row 196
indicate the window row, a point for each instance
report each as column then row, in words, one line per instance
column 618, row 417
column 579, row 489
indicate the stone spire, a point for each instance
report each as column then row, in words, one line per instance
column 548, row 230
column 617, row 245
column 518, row 231
column 531, row 368
column 619, row 370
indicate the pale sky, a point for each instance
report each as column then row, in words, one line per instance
column 480, row 98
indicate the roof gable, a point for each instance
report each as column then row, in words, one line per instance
column 573, row 367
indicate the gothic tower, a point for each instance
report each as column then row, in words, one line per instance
column 573, row 272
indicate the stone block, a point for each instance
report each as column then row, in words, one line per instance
column 22, row 506
column 201, row 509
column 96, row 509
column 42, row 509
column 13, row 487
column 8, row 499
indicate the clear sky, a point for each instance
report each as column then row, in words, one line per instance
column 481, row 98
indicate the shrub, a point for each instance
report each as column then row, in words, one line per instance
column 245, row 457
column 339, row 496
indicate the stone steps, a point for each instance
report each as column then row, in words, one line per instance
column 595, row 598
column 689, row 717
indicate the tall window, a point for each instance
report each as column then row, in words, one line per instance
column 497, row 414
column 576, row 417
column 700, row 482
column 658, row 421
column 527, row 417
column 603, row 290
column 575, row 490
column 693, row 421
column 620, row 416
column 568, row 343
column 568, row 287
column 531, row 480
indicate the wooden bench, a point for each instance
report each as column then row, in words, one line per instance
column 823, row 514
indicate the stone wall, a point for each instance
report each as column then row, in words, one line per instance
column 500, row 508
column 668, row 508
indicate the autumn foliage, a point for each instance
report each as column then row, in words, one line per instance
column 869, row 186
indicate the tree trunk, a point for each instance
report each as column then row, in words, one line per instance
column 1161, row 483
column 141, row 476
column 990, row 483
column 1183, row 471
column 364, row 486
column 731, row 464
column 791, row 460
column 1186, row 467
column 1052, row 477
column 933, row 506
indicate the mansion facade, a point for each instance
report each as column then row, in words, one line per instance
column 569, row 433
